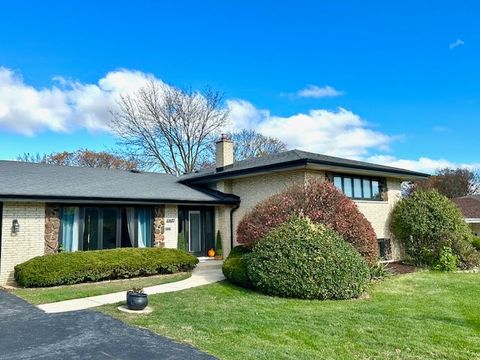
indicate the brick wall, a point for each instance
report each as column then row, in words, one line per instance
column 171, row 227
column 254, row 189
column 28, row 242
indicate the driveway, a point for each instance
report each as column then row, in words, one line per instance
column 28, row 333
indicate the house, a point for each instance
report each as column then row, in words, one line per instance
column 47, row 207
column 470, row 208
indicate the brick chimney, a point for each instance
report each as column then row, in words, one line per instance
column 224, row 152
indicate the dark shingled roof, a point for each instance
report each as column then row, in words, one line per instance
column 41, row 181
column 469, row 206
column 293, row 158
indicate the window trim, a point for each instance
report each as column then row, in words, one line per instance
column 352, row 177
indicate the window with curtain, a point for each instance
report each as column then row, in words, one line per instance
column 144, row 225
column 70, row 222
column 358, row 187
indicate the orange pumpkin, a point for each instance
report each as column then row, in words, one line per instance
column 211, row 253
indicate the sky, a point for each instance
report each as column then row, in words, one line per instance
column 391, row 82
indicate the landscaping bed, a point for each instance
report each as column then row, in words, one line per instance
column 67, row 292
column 421, row 315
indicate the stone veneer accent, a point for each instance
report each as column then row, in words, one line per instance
column 159, row 226
column 52, row 228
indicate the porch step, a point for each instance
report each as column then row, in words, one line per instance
column 207, row 263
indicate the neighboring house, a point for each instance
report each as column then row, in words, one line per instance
column 470, row 208
column 46, row 207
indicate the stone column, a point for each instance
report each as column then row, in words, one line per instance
column 159, row 226
column 52, row 228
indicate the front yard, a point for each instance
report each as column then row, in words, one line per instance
column 425, row 315
column 59, row 293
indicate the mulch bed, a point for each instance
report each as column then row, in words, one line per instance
column 401, row 268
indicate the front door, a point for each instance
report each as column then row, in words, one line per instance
column 195, row 241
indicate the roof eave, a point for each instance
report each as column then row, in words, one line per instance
column 403, row 174
column 102, row 200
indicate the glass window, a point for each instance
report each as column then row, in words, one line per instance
column 347, row 186
column 357, row 188
column 337, row 181
column 109, row 228
column 367, row 191
column 195, row 231
column 91, row 234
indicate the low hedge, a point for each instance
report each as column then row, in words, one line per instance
column 304, row 260
column 235, row 266
column 90, row 266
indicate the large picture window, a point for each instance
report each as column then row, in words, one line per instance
column 104, row 227
column 358, row 187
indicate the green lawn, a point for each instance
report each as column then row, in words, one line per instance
column 59, row 293
column 424, row 315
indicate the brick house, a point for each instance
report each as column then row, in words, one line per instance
column 47, row 207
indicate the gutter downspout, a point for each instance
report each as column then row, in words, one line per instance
column 232, row 210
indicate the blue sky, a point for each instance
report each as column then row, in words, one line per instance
column 403, row 76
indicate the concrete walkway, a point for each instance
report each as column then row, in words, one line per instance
column 207, row 272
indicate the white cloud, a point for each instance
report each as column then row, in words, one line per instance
column 65, row 106
column 70, row 105
column 456, row 43
column 340, row 132
column 422, row 164
column 26, row 110
column 316, row 92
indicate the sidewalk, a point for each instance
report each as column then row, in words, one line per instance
column 205, row 273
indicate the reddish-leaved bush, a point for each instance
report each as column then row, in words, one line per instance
column 322, row 203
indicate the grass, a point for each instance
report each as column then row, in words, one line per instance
column 424, row 315
column 59, row 293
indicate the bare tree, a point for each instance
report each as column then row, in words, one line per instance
column 34, row 158
column 450, row 182
column 169, row 128
column 249, row 143
column 83, row 157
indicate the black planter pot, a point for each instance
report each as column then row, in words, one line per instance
column 136, row 301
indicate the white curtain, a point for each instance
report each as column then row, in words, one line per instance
column 70, row 236
column 131, row 224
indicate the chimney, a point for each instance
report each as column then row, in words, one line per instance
column 224, row 152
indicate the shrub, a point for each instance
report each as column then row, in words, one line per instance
column 302, row 260
column 447, row 261
column 476, row 243
column 380, row 271
column 218, row 244
column 426, row 222
column 235, row 266
column 182, row 244
column 84, row 266
column 323, row 204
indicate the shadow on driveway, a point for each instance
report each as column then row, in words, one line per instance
column 28, row 333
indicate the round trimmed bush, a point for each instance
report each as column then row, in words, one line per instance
column 90, row 266
column 427, row 223
column 235, row 266
column 323, row 204
column 304, row 260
